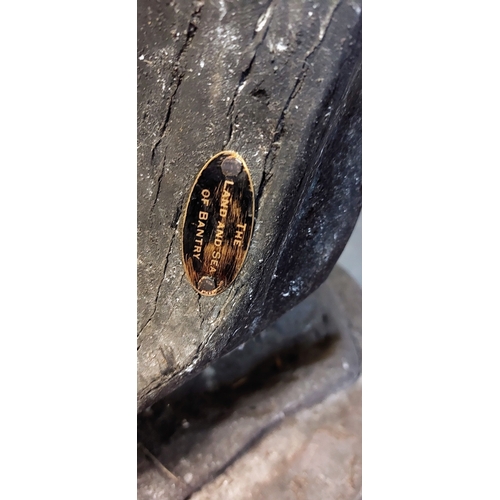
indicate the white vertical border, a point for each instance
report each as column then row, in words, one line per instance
column 431, row 253
column 430, row 250
column 68, row 214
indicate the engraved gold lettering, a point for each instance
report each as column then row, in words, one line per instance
column 199, row 233
column 218, row 223
column 205, row 197
column 238, row 239
column 226, row 195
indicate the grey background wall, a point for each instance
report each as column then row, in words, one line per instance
column 350, row 260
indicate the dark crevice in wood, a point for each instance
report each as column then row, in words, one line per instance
column 257, row 42
column 280, row 125
column 159, row 286
column 177, row 77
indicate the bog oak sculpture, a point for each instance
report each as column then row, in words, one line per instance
column 275, row 87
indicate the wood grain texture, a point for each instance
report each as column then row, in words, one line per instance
column 279, row 82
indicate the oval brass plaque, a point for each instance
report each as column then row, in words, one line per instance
column 218, row 223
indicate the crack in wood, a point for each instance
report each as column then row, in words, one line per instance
column 159, row 286
column 177, row 78
column 257, row 41
column 280, row 125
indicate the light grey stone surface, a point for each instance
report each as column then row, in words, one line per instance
column 314, row 455
column 195, row 435
column 350, row 260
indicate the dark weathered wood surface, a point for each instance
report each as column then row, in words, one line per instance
column 280, row 83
